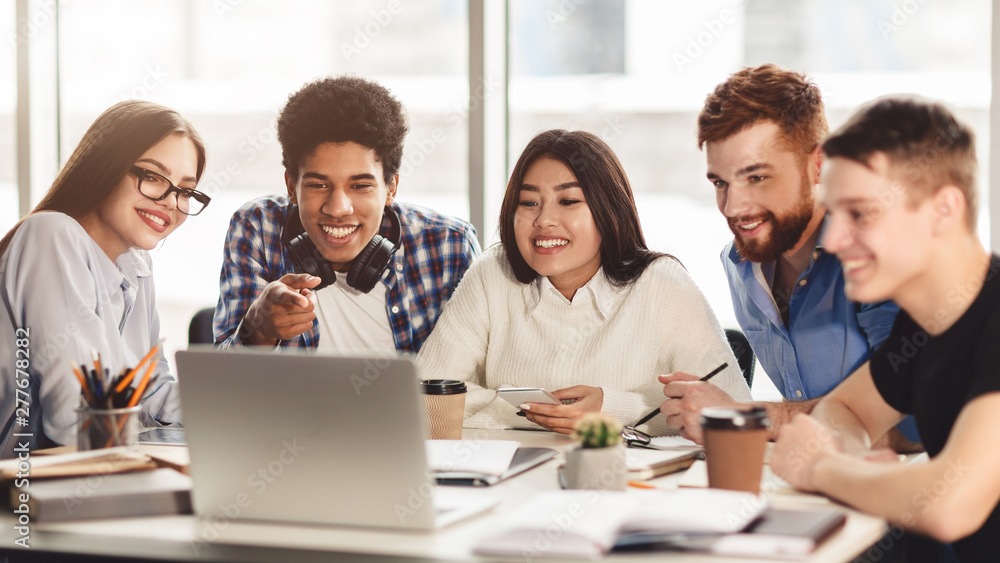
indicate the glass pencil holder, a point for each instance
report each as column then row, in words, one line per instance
column 107, row 428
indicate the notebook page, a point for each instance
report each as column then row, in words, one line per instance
column 485, row 457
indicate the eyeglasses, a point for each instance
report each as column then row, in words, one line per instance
column 636, row 438
column 157, row 187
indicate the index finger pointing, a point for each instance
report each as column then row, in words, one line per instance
column 289, row 295
column 300, row 281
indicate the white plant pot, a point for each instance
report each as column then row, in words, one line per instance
column 596, row 468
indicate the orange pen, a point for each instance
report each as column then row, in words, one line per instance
column 128, row 378
column 640, row 485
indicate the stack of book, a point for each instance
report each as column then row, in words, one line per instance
column 106, row 483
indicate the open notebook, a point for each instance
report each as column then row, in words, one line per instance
column 776, row 534
column 481, row 462
column 586, row 524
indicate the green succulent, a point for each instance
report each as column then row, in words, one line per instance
column 598, row 430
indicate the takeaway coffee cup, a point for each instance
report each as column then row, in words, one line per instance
column 735, row 440
column 444, row 403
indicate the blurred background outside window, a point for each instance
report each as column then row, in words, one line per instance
column 634, row 72
column 8, row 102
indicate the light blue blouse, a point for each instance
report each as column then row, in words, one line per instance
column 58, row 285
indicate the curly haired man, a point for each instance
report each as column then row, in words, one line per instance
column 338, row 264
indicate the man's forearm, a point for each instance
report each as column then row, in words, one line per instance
column 840, row 420
column 844, row 423
column 783, row 412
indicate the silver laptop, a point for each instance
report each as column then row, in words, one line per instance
column 310, row 438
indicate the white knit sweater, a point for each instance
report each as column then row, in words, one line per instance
column 497, row 332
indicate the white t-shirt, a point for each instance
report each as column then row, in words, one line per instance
column 352, row 321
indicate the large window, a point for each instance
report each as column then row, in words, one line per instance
column 229, row 67
column 637, row 72
column 8, row 101
column 634, row 72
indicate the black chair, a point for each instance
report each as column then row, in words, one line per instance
column 200, row 329
column 743, row 352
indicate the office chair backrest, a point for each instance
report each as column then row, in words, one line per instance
column 743, row 352
column 200, row 329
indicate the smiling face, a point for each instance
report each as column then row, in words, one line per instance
column 341, row 194
column 127, row 218
column 765, row 191
column 554, row 228
column 878, row 235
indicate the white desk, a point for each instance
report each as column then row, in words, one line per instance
column 186, row 538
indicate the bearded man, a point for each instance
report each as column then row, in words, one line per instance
column 761, row 131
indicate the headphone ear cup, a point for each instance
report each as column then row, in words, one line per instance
column 307, row 259
column 370, row 264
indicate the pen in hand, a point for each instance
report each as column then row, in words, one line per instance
column 710, row 375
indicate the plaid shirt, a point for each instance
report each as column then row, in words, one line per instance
column 434, row 253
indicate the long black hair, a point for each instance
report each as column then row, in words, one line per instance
column 624, row 254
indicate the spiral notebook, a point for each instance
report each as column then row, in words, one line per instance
column 481, row 463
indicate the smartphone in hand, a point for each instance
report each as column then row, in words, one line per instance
column 519, row 395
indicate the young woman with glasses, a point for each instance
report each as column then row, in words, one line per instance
column 572, row 300
column 75, row 272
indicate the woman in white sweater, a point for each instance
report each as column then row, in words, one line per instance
column 572, row 300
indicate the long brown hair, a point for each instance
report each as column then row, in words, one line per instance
column 624, row 255
column 105, row 154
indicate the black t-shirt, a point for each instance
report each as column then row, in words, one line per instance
column 933, row 378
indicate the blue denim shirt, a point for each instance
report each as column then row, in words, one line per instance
column 828, row 336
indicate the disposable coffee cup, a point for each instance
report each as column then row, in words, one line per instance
column 735, row 440
column 444, row 402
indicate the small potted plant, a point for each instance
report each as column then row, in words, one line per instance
column 599, row 461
